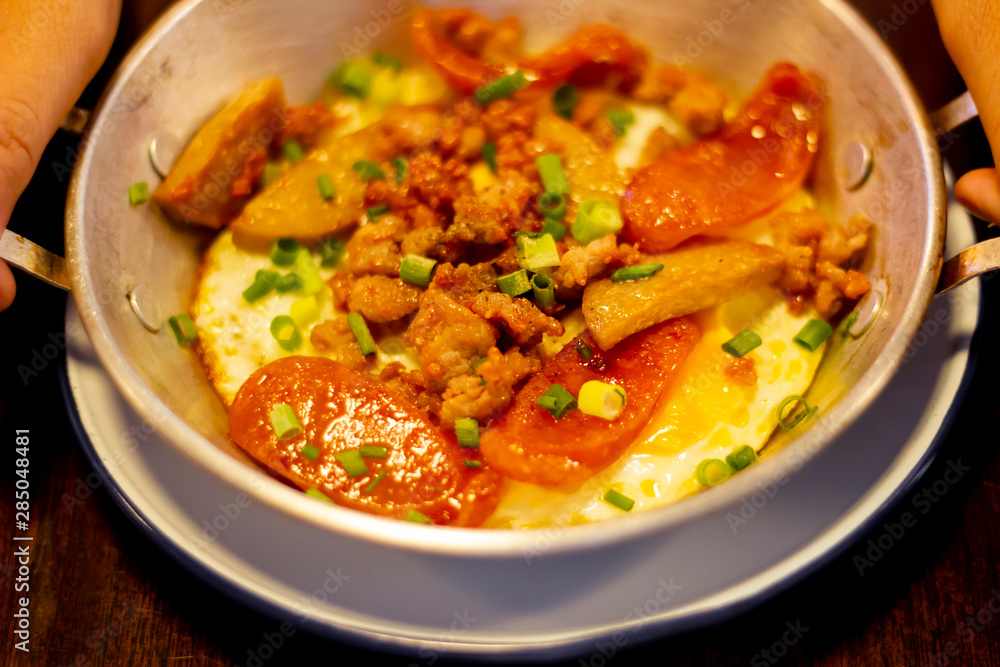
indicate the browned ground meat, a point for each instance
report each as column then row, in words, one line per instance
column 464, row 283
column 335, row 336
column 659, row 83
column 469, row 396
column 742, row 370
column 341, row 283
column 306, row 123
column 382, row 299
column 449, row 336
column 411, row 128
column 582, row 263
column 374, row 248
column 520, row 318
column 410, row 384
column 699, row 105
column 438, row 182
column 488, row 217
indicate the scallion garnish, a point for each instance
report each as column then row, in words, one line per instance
column 138, row 193
column 284, row 252
column 583, row 349
column 293, row 151
column 417, row 517
column 553, row 205
column 311, row 452
column 536, row 251
column 362, row 334
column 368, row 170
column 272, row 170
column 712, row 471
column 417, row 270
column 288, row 283
column 543, row 291
column 803, row 414
column 557, row 401
column 379, row 209
column 551, row 172
column 305, row 310
column 385, row 60
column 845, row 327
column 402, row 168
column 490, row 156
column 601, row 399
column 326, row 189
column 352, row 462
column 371, row 485
column 514, row 284
column 318, row 495
column 354, row 79
column 330, row 252
column 475, row 369
column 741, row 457
column 621, row 120
column 286, row 332
column 813, row 334
column 619, row 500
column 472, row 463
column 374, row 451
column 312, row 283
column 284, row 422
column 554, row 229
column 467, row 431
column 596, row 219
column 503, row 87
column 263, row 282
column 183, row 327
column 564, row 100
column 742, row 343
column 636, row 272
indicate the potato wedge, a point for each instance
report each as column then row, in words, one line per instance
column 590, row 169
column 292, row 206
column 198, row 188
column 696, row 275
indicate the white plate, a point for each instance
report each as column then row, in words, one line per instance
column 551, row 606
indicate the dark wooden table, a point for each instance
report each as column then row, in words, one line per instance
column 102, row 594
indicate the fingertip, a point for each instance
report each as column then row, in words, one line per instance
column 979, row 192
column 7, row 286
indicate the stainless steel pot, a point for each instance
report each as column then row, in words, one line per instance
column 128, row 267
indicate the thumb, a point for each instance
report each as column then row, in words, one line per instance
column 979, row 192
column 48, row 53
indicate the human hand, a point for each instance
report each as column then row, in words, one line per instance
column 971, row 33
column 48, row 53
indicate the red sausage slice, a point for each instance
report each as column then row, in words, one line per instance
column 530, row 445
column 752, row 165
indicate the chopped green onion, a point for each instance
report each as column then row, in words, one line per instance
column 417, row 517
column 636, row 272
column 845, row 327
column 551, row 172
column 543, row 291
column 554, row 229
column 374, row 451
column 619, row 500
column 311, row 452
column 813, row 334
column 326, row 189
column 286, row 332
column 183, row 327
column 138, row 193
column 353, row 79
column 583, row 349
column 288, row 283
column 475, row 369
column 293, row 151
column 741, row 457
column 378, row 478
column 402, row 168
column 312, row 283
column 330, row 252
column 514, row 284
column 742, row 343
column 305, row 310
column 284, row 252
column 503, row 87
column 318, row 495
column 352, row 462
column 361, row 332
column 805, row 413
column 553, row 205
column 564, row 100
column 467, row 430
column 601, row 399
column 263, row 282
column 536, row 251
column 272, row 170
column 470, row 463
column 490, row 156
column 377, row 210
column 621, row 120
column 417, row 270
column 596, row 219
column 712, row 471
column 557, row 401
column 284, row 422
column 385, row 60
column 368, row 170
